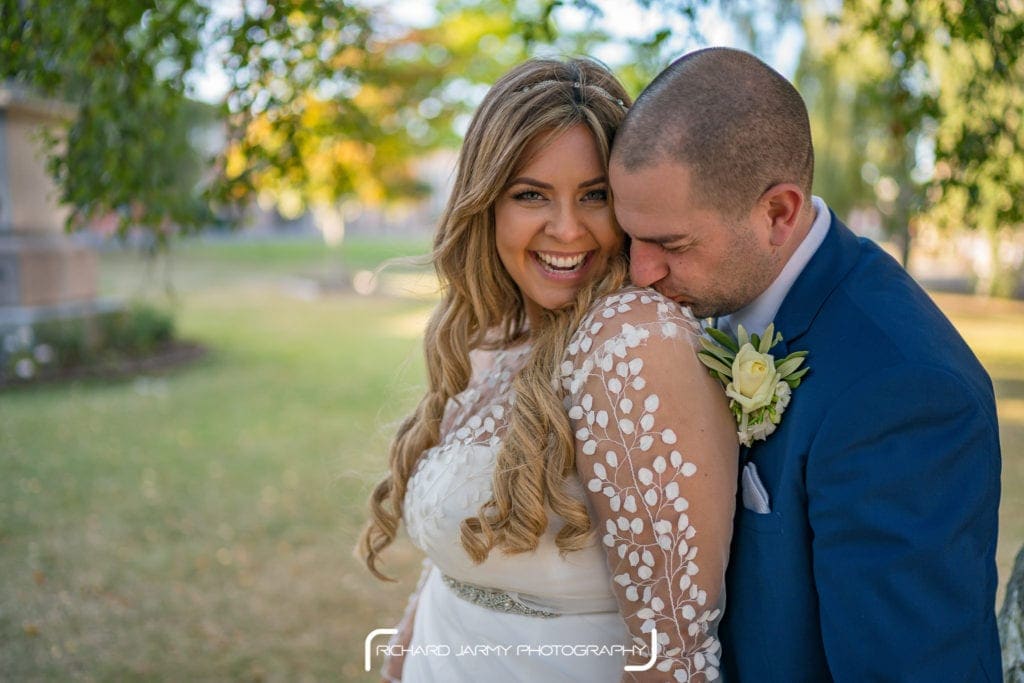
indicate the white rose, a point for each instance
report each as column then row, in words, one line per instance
column 753, row 379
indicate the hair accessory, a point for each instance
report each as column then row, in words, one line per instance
column 577, row 91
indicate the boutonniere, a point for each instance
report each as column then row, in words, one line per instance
column 758, row 386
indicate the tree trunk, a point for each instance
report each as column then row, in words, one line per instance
column 1011, row 624
column 905, row 246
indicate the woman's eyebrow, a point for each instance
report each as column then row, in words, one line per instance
column 523, row 180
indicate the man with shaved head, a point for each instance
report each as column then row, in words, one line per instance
column 865, row 528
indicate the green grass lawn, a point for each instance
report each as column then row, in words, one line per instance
column 199, row 525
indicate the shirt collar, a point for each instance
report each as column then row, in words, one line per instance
column 756, row 315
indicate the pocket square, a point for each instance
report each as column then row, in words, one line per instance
column 755, row 496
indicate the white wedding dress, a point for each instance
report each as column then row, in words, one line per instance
column 539, row 617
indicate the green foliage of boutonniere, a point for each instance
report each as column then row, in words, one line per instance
column 758, row 386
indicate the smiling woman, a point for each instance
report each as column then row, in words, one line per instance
column 553, row 224
column 535, row 356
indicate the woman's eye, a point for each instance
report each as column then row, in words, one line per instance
column 596, row 195
column 528, row 195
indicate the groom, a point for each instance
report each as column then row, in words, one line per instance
column 865, row 529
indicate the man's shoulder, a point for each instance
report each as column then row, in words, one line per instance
column 878, row 316
column 881, row 301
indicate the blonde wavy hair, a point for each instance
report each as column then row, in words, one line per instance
column 482, row 307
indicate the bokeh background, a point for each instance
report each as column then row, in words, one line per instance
column 202, row 362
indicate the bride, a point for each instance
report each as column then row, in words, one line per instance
column 570, row 473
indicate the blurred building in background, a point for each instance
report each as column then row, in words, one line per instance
column 44, row 273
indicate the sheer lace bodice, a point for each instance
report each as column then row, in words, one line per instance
column 659, row 489
column 452, row 480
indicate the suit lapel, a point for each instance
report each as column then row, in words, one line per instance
column 823, row 273
column 829, row 265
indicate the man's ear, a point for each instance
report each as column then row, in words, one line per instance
column 783, row 205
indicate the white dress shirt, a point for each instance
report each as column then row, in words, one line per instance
column 756, row 315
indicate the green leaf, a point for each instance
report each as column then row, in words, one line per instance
column 714, row 363
column 724, row 355
column 723, row 338
column 794, row 380
column 766, row 342
column 742, row 337
column 788, row 366
column 755, row 341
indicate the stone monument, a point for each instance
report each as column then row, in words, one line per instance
column 45, row 274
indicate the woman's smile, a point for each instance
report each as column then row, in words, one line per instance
column 564, row 266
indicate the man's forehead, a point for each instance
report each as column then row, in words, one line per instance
column 658, row 227
column 661, row 166
column 657, row 202
column 643, row 212
column 648, row 187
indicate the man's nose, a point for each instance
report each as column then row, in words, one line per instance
column 646, row 264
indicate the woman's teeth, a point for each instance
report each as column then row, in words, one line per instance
column 562, row 262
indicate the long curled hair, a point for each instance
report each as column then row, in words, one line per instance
column 482, row 307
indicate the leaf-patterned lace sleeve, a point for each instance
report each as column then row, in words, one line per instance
column 657, row 452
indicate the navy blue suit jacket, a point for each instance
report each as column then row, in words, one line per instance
column 877, row 560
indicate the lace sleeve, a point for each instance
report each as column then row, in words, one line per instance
column 657, row 452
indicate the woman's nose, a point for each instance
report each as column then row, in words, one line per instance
column 566, row 225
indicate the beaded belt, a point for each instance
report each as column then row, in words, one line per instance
column 492, row 598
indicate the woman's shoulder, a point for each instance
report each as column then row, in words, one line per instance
column 627, row 330
column 630, row 317
column 632, row 306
